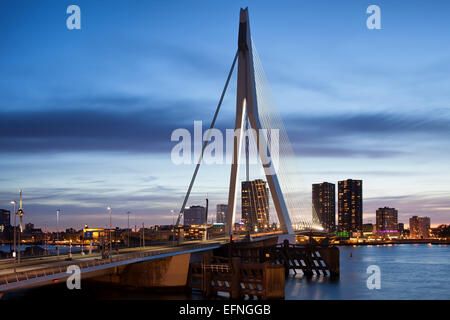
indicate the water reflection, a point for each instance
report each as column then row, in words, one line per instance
column 407, row 272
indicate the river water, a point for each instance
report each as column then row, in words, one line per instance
column 407, row 271
column 51, row 249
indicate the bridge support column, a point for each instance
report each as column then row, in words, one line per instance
column 288, row 237
column 206, row 282
column 331, row 257
column 165, row 272
column 236, row 278
column 273, row 281
column 247, row 106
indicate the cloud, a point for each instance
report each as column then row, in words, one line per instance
column 433, row 204
column 130, row 129
column 366, row 134
column 373, row 124
column 388, row 173
column 135, row 124
column 343, row 152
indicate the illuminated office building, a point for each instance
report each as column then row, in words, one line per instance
column 350, row 206
column 255, row 205
column 221, row 210
column 324, row 204
column 195, row 215
column 419, row 227
column 387, row 220
column 5, row 219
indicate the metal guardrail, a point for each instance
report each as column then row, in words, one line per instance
column 8, row 279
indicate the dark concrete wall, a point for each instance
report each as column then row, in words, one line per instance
column 165, row 272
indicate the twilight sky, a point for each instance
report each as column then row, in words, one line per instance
column 86, row 115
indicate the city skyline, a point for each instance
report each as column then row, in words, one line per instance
column 219, row 205
column 77, row 114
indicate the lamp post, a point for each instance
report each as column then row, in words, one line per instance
column 110, row 227
column 20, row 213
column 143, row 235
column 83, row 239
column 69, row 256
column 128, row 213
column 14, row 252
column 45, row 238
column 173, row 227
column 57, row 231
column 70, row 248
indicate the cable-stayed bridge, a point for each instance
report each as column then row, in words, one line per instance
column 255, row 108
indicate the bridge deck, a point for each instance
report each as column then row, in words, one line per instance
column 40, row 271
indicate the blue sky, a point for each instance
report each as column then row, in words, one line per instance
column 86, row 115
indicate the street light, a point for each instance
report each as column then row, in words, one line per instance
column 128, row 213
column 45, row 237
column 110, row 227
column 20, row 213
column 173, row 227
column 14, row 252
column 57, row 231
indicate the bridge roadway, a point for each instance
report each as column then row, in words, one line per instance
column 44, row 270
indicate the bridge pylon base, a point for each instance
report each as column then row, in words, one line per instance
column 289, row 237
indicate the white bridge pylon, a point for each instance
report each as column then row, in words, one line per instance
column 253, row 102
column 247, row 105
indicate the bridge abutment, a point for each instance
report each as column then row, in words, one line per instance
column 164, row 272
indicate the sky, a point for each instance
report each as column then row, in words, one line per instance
column 86, row 115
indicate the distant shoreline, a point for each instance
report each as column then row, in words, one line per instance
column 415, row 241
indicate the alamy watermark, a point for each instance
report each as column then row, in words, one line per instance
column 374, row 20
column 374, row 280
column 220, row 147
column 74, row 280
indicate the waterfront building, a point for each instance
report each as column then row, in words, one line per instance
column 5, row 219
column 324, row 204
column 387, row 220
column 401, row 227
column 255, row 205
column 94, row 233
column 195, row 215
column 350, row 206
column 221, row 210
column 29, row 227
column 239, row 226
column 419, row 227
column 368, row 229
column 191, row 232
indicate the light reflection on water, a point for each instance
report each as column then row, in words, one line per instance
column 51, row 249
column 407, row 272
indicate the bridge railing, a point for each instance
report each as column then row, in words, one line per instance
column 6, row 280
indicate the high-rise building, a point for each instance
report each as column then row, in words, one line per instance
column 195, row 215
column 5, row 219
column 29, row 227
column 350, row 206
column 221, row 211
column 419, row 227
column 368, row 228
column 387, row 220
column 324, row 204
column 255, row 205
column 401, row 227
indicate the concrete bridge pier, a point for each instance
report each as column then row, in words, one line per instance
column 162, row 273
